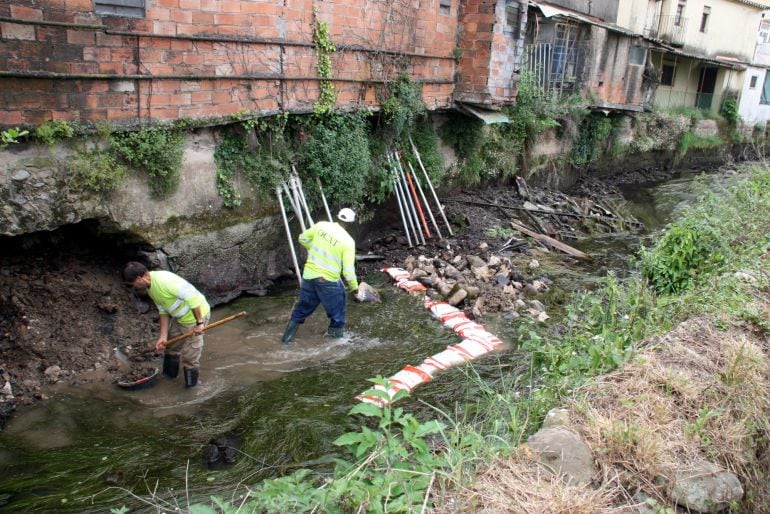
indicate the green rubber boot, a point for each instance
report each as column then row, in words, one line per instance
column 334, row 332
column 290, row 332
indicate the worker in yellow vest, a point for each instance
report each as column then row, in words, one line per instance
column 182, row 309
column 331, row 256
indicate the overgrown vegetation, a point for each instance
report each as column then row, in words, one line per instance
column 690, row 141
column 592, row 139
column 96, row 171
column 157, row 151
column 401, row 104
column 53, row 131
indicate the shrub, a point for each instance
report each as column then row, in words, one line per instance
column 96, row 172
column 53, row 131
column 157, row 151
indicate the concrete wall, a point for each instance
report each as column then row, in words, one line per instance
column 612, row 79
column 211, row 58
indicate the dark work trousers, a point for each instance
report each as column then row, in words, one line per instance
column 320, row 290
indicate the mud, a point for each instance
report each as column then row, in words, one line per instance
column 64, row 307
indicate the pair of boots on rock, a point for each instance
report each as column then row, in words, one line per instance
column 171, row 370
column 291, row 331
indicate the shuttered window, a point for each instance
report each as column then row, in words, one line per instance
column 130, row 8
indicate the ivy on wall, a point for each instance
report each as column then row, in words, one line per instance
column 324, row 48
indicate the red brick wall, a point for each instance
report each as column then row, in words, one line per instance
column 212, row 58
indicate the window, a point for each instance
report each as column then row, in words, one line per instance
column 130, row 8
column 667, row 73
column 637, row 55
column 753, row 82
column 679, row 13
column 705, row 18
column 445, row 6
column 765, row 98
column 764, row 31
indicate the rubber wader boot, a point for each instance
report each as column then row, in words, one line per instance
column 334, row 332
column 190, row 377
column 290, row 332
column 171, row 365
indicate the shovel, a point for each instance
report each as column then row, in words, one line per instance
column 146, row 381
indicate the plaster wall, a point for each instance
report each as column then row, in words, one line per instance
column 752, row 111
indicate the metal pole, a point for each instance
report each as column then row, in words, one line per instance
column 415, row 202
column 430, row 184
column 302, row 196
column 401, row 209
column 298, row 199
column 323, row 198
column 418, row 235
column 288, row 235
column 401, row 202
column 294, row 207
column 424, row 200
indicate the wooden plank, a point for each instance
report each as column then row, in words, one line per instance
column 552, row 242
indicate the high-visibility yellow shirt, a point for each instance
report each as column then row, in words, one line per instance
column 331, row 252
column 176, row 297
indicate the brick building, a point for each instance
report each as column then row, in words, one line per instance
column 133, row 61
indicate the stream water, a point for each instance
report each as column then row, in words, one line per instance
column 93, row 448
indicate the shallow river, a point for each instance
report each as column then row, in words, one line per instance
column 94, row 448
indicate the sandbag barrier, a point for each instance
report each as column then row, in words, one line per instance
column 476, row 342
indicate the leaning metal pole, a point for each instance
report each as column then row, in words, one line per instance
column 424, row 200
column 394, row 182
column 419, row 232
column 430, row 185
column 323, row 198
column 404, row 198
column 288, row 235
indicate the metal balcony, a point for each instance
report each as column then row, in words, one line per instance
column 668, row 28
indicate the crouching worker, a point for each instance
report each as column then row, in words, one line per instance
column 182, row 309
column 331, row 253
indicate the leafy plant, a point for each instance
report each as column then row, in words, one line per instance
column 690, row 140
column 463, row 134
column 11, row 136
column 592, row 137
column 53, row 131
column 729, row 111
column 336, row 150
column 157, row 151
column 401, row 104
column 96, row 172
column 685, row 251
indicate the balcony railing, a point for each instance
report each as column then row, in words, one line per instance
column 668, row 28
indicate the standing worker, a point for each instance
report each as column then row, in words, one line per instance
column 182, row 309
column 331, row 252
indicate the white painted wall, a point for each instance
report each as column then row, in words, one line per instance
column 752, row 112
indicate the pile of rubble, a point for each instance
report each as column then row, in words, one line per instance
column 479, row 283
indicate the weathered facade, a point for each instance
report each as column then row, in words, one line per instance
column 192, row 59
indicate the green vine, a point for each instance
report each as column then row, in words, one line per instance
column 264, row 164
column 324, row 47
column 401, row 104
column 157, row 151
column 594, row 132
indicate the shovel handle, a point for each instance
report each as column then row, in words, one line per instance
column 181, row 337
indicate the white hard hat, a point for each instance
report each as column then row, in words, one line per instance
column 347, row 215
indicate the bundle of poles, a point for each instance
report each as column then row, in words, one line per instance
column 295, row 194
column 410, row 196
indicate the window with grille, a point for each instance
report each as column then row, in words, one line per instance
column 753, row 82
column 130, row 8
column 667, row 73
